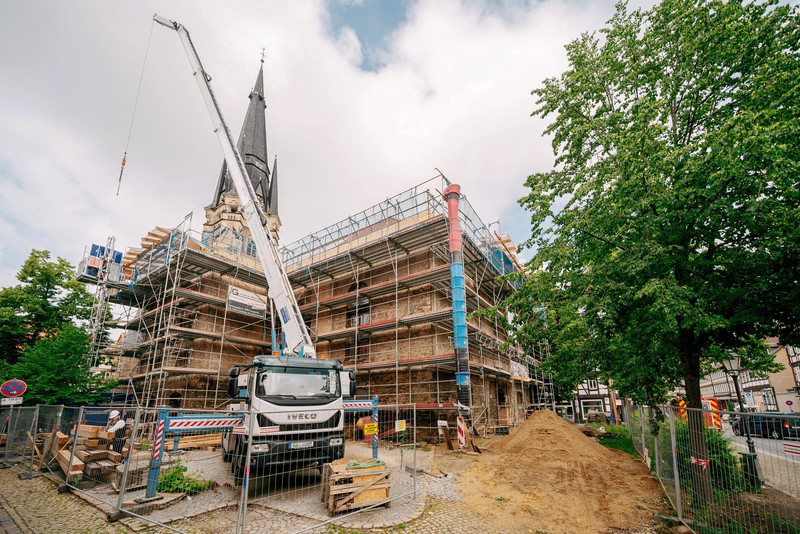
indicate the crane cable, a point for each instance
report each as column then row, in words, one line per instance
column 135, row 104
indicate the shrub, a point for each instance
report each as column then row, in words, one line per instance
column 174, row 480
column 726, row 474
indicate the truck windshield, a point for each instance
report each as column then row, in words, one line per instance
column 298, row 382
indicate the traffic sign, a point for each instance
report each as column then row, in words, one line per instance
column 13, row 388
column 10, row 401
column 789, row 403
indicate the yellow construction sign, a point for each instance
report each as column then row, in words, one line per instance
column 370, row 429
column 400, row 425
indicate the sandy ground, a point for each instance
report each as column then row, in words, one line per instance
column 548, row 477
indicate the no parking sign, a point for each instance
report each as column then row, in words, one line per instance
column 13, row 388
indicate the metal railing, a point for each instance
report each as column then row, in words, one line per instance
column 178, row 469
column 740, row 473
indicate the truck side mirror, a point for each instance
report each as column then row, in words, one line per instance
column 234, row 372
column 233, row 386
column 352, row 383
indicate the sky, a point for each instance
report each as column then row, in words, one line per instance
column 365, row 100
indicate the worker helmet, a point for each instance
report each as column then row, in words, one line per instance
column 114, row 413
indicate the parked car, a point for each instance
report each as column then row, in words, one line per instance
column 766, row 426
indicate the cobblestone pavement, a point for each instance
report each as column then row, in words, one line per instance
column 36, row 507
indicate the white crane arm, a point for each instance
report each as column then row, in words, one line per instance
column 298, row 340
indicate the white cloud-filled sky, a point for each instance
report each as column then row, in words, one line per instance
column 360, row 108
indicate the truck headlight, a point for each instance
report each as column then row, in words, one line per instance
column 336, row 441
column 260, row 447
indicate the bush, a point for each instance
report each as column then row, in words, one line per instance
column 174, row 480
column 726, row 474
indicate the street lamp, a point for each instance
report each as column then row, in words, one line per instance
column 733, row 367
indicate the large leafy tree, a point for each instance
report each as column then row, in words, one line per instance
column 57, row 371
column 47, row 298
column 669, row 231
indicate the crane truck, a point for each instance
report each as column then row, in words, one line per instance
column 291, row 399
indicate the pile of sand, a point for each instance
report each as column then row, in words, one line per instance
column 547, row 476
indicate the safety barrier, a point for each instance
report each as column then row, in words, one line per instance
column 740, row 473
column 163, row 466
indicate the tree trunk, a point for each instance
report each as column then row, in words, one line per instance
column 690, row 364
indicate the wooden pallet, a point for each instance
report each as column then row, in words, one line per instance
column 344, row 489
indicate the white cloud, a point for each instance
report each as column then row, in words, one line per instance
column 349, row 46
column 454, row 94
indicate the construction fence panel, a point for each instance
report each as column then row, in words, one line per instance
column 728, row 481
column 300, row 481
column 173, row 467
column 5, row 412
column 634, row 421
column 19, row 436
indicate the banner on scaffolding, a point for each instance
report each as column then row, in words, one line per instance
column 246, row 302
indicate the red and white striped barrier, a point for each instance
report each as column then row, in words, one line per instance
column 791, row 448
column 462, row 429
column 375, row 420
column 159, row 441
column 350, row 405
column 183, row 424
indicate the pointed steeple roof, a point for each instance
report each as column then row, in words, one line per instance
column 272, row 197
column 252, row 146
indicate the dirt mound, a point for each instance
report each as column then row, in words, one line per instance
column 546, row 432
column 547, row 476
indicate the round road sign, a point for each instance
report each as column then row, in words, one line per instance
column 789, row 403
column 13, row 388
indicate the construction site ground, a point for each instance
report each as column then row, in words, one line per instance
column 546, row 477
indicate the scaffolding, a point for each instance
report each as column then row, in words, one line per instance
column 374, row 290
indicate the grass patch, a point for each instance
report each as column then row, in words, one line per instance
column 621, row 443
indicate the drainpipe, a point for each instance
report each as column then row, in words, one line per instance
column 452, row 194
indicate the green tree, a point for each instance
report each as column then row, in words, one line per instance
column 669, row 230
column 57, row 371
column 47, row 298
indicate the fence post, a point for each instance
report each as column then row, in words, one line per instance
column 241, row 520
column 32, row 436
column 74, row 444
column 675, row 463
column 415, row 450
column 641, row 427
column 375, row 420
column 155, row 460
column 124, row 480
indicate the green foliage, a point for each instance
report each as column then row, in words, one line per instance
column 724, row 466
column 175, row 480
column 624, row 443
column 57, row 371
column 47, row 298
column 668, row 232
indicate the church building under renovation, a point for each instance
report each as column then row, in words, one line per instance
column 375, row 290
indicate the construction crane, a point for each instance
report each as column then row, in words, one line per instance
column 298, row 340
column 301, row 394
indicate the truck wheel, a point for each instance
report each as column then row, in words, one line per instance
column 226, row 456
column 237, row 464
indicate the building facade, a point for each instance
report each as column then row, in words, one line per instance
column 376, row 291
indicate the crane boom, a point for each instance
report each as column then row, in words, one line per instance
column 298, row 339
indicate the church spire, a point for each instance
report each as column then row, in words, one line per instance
column 252, row 146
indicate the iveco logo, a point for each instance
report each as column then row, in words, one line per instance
column 298, row 416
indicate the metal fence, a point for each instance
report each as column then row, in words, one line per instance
column 357, row 468
column 740, row 473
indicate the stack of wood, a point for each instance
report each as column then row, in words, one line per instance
column 349, row 489
column 206, row 442
column 94, row 455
